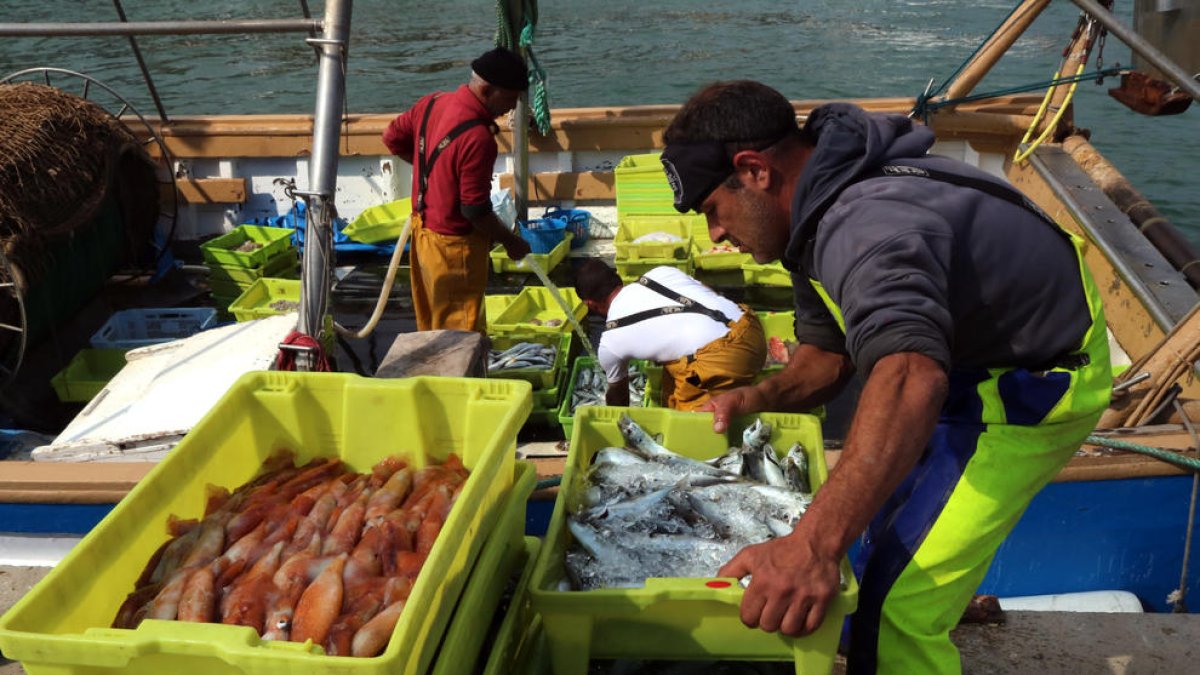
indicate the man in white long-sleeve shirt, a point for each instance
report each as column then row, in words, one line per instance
column 705, row 343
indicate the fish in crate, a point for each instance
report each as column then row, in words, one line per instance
column 314, row 552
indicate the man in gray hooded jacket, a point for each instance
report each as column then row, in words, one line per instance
column 970, row 314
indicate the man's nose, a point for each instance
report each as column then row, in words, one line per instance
column 716, row 232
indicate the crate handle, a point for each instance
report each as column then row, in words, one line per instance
column 725, row 590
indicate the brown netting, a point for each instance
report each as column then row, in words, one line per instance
column 59, row 155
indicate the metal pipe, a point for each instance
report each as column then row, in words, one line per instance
column 1149, row 221
column 137, row 55
column 322, row 182
column 1166, row 66
column 996, row 47
column 516, row 15
column 105, row 28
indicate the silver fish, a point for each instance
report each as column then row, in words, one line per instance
column 795, row 469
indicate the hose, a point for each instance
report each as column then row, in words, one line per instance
column 384, row 293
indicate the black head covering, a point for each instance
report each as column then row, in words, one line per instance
column 502, row 68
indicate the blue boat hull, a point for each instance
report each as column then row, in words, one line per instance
column 1123, row 534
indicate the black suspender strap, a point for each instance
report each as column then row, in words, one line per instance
column 425, row 165
column 687, row 305
column 1001, row 191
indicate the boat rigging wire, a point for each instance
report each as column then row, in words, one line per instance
column 1177, row 598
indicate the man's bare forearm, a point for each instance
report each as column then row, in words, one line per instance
column 895, row 418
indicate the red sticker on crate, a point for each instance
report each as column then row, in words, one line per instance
column 718, row 584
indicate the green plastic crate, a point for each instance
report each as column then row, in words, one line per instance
column 87, row 374
column 566, row 418
column 502, row 555
column 631, row 270
column 255, row 302
column 272, row 240
column 770, row 274
column 534, row 303
column 285, row 265
column 632, row 227
column 62, row 625
column 670, row 618
column 510, row 647
column 502, row 264
column 540, row 379
column 382, row 223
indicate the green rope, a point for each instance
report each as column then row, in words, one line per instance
column 548, row 482
column 1097, row 75
column 539, row 101
column 1167, row 456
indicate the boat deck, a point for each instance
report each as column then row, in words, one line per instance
column 1053, row 643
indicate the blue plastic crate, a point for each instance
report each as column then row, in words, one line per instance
column 579, row 222
column 543, row 234
column 133, row 328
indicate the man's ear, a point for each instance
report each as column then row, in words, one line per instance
column 753, row 169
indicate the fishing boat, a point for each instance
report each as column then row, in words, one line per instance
column 1112, row 520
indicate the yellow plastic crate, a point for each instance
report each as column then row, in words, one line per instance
column 670, row 618
column 256, row 301
column 382, row 223
column 632, row 227
column 503, row 552
column 502, row 264
column 770, row 274
column 61, row 626
column 535, row 303
column 713, row 262
column 512, row 642
column 781, row 325
column 631, row 270
column 540, row 378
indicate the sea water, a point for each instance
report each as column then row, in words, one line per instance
column 618, row 53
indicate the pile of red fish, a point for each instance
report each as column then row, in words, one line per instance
column 313, row 552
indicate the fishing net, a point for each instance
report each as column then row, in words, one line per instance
column 60, row 156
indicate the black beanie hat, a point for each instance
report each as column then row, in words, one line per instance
column 503, row 69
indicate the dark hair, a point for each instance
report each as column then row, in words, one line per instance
column 743, row 114
column 595, row 280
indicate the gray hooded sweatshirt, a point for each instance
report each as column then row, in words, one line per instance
column 921, row 265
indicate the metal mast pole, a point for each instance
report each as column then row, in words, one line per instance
column 316, row 269
column 520, row 150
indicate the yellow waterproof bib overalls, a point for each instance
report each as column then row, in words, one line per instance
column 1002, row 435
column 729, row 362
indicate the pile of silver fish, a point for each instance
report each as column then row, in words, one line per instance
column 591, row 384
column 646, row 511
column 523, row 355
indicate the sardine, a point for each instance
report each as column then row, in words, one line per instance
column 795, row 469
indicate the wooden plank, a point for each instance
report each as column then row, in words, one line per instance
column 633, row 129
column 554, row 187
column 212, row 190
column 70, row 483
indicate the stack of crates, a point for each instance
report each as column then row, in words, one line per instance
column 534, row 316
column 547, row 382
column 246, row 254
column 635, row 258
column 642, row 188
column 566, row 413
